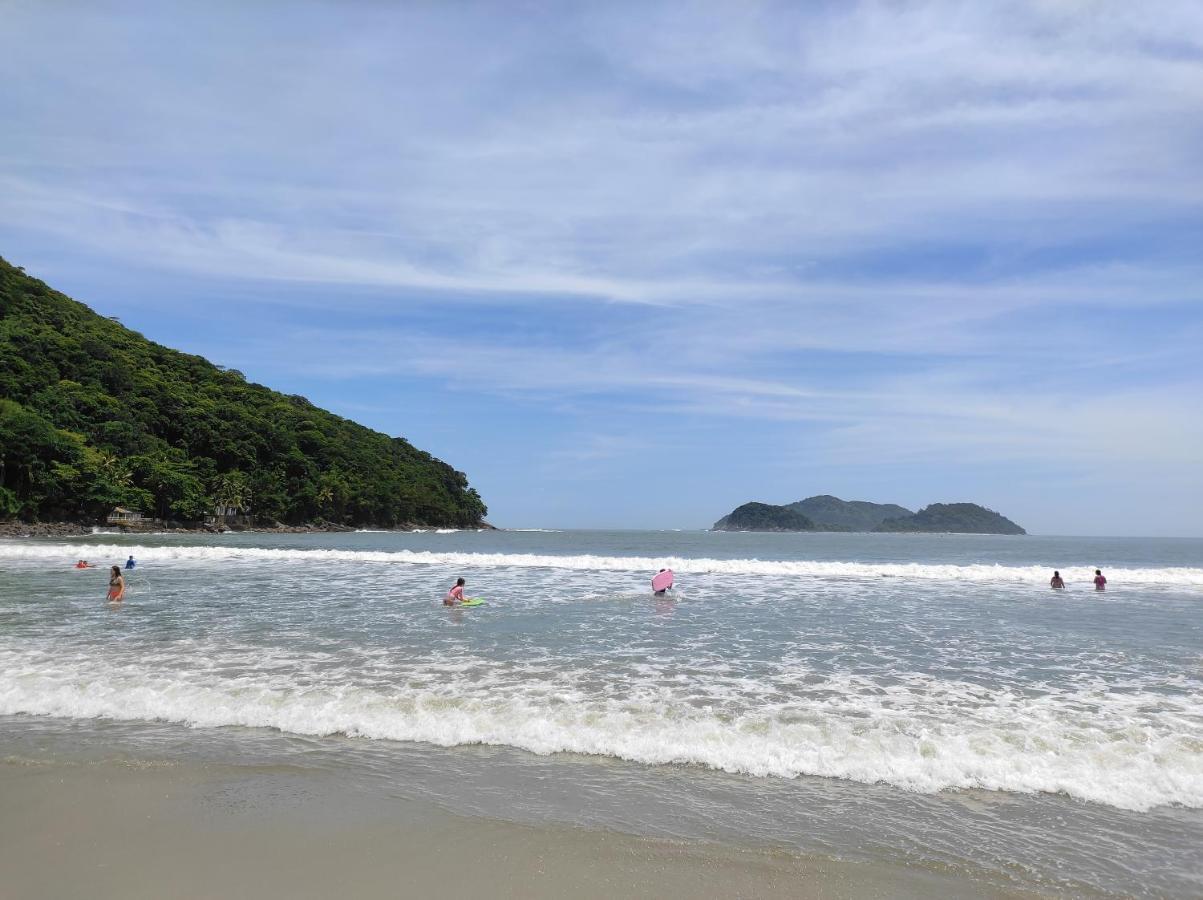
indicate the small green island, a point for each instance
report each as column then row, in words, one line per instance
column 100, row 425
column 827, row 513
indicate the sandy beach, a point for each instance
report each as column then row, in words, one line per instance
column 141, row 829
column 817, row 721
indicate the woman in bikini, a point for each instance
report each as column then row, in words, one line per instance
column 116, row 585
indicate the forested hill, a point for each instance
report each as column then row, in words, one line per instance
column 763, row 517
column 827, row 513
column 953, row 518
column 93, row 415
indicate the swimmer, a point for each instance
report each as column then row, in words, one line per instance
column 659, row 580
column 116, row 585
column 1056, row 581
column 1100, row 581
column 455, row 596
column 84, row 564
column 130, row 563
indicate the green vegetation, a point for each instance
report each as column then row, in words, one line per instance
column 763, row 517
column 832, row 513
column 93, row 415
column 955, row 518
column 827, row 513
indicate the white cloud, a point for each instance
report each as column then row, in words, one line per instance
column 977, row 205
column 658, row 158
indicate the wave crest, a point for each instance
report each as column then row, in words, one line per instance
column 980, row 573
column 922, row 735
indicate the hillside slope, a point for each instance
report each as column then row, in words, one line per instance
column 953, row 518
column 827, row 511
column 93, row 415
column 763, row 517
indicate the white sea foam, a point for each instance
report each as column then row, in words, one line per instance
column 1133, row 750
column 980, row 573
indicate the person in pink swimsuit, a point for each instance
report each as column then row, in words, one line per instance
column 1100, row 581
column 455, row 596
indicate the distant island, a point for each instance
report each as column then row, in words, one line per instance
column 764, row 517
column 100, row 425
column 953, row 518
column 832, row 513
column 828, row 513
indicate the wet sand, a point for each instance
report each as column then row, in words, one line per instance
column 139, row 829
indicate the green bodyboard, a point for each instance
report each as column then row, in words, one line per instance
column 473, row 601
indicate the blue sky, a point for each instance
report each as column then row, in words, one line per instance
column 634, row 264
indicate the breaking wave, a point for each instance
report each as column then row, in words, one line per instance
column 1134, row 750
column 982, row 573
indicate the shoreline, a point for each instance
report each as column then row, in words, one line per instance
column 13, row 529
column 133, row 828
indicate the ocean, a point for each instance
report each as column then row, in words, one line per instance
column 908, row 699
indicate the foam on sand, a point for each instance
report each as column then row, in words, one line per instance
column 1132, row 749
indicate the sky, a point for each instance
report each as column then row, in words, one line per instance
column 633, row 264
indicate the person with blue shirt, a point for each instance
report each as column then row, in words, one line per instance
column 129, row 563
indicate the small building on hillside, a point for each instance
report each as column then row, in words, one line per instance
column 119, row 515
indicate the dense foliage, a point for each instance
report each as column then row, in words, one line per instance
column 763, row 517
column 956, row 518
column 828, row 512
column 93, row 415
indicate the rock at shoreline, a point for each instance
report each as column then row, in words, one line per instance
column 43, row 529
column 73, row 529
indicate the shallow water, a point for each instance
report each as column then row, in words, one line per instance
column 888, row 696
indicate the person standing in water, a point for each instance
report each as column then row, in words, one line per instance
column 130, row 563
column 455, row 596
column 1100, row 582
column 1056, row 581
column 116, row 585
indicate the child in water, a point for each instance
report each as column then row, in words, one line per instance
column 455, row 596
column 1100, row 582
column 116, row 585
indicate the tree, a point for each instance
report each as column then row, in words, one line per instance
column 232, row 490
column 93, row 411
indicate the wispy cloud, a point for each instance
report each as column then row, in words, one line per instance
column 926, row 229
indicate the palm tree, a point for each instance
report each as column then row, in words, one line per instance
column 231, row 491
column 114, row 470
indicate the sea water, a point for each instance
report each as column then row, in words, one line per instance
column 915, row 698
